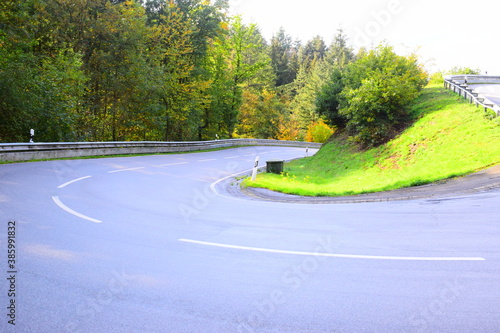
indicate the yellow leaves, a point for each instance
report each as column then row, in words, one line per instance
column 288, row 129
column 319, row 132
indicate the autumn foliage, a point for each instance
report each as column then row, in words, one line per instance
column 101, row 70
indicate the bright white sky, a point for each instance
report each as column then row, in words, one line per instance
column 445, row 33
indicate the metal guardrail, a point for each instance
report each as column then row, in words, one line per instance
column 460, row 84
column 53, row 150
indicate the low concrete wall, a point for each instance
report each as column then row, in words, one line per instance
column 37, row 151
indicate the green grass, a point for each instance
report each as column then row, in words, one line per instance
column 448, row 138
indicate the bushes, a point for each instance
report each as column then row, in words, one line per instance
column 369, row 97
column 318, row 132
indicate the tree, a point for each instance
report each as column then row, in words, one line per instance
column 339, row 53
column 284, row 58
column 312, row 52
column 328, row 99
column 318, row 132
column 176, row 90
column 106, row 69
column 464, row 70
column 41, row 81
column 378, row 88
column 303, row 104
column 260, row 115
column 207, row 23
column 234, row 64
column 116, row 63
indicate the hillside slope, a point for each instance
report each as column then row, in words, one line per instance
column 449, row 138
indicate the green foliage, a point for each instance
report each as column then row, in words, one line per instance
column 303, row 105
column 379, row 87
column 183, row 70
column 319, row 132
column 319, row 84
column 312, row 52
column 436, row 78
column 449, row 139
column 329, row 98
column 464, row 70
column 105, row 70
column 260, row 115
column 235, row 61
column 284, row 58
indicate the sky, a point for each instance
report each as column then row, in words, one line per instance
column 444, row 33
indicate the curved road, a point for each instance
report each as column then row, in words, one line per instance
column 490, row 91
column 143, row 244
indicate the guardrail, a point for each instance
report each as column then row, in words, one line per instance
column 460, row 84
column 13, row 152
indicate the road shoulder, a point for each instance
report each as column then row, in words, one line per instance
column 482, row 181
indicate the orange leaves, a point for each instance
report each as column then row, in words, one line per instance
column 319, row 132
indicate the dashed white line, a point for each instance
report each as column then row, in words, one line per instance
column 122, row 170
column 332, row 255
column 209, row 160
column 171, row 164
column 227, row 158
column 73, row 181
column 71, row 211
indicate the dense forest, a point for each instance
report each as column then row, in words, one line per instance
column 154, row 70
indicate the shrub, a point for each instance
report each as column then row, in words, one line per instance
column 318, row 132
column 378, row 89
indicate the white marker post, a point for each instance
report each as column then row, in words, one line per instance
column 307, row 151
column 254, row 172
column 32, row 135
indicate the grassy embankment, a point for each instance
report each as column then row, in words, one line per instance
column 448, row 138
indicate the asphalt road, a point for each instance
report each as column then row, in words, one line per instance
column 490, row 91
column 143, row 244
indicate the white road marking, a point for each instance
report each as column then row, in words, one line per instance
column 131, row 169
column 73, row 181
column 212, row 186
column 250, row 155
column 227, row 158
column 332, row 255
column 209, row 160
column 164, row 165
column 71, row 211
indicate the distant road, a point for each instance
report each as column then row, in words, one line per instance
column 490, row 91
column 143, row 244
